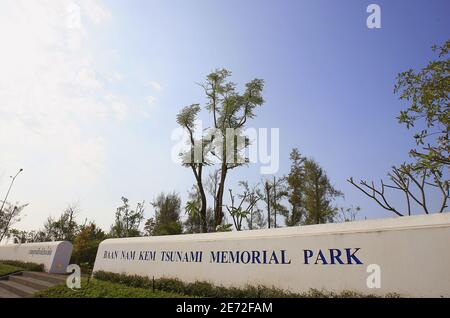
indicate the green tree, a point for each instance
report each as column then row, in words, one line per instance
column 267, row 198
column 296, row 187
column 242, row 205
column 273, row 193
column 127, row 221
column 63, row 228
column 252, row 196
column 86, row 243
column 319, row 194
column 149, row 227
column 230, row 112
column 347, row 214
column 195, row 157
column 427, row 91
column 194, row 222
column 28, row 236
column 256, row 219
column 279, row 192
column 9, row 215
column 167, row 214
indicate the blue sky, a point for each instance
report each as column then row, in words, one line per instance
column 88, row 112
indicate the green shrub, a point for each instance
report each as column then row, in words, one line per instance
column 94, row 288
column 199, row 288
column 85, row 245
column 206, row 289
column 171, row 285
column 203, row 289
column 8, row 269
column 27, row 266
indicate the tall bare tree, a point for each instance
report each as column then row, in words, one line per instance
column 267, row 197
column 413, row 183
column 196, row 157
column 274, row 190
column 230, row 112
column 279, row 192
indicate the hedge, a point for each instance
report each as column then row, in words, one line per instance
column 27, row 266
column 206, row 289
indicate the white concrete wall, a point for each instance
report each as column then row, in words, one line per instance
column 413, row 254
column 55, row 256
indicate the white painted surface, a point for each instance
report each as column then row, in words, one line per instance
column 55, row 256
column 412, row 252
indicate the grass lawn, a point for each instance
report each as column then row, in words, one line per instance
column 102, row 289
column 8, row 269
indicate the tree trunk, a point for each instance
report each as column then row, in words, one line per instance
column 204, row 222
column 268, row 203
column 274, row 202
column 218, row 213
column 203, row 208
column 318, row 211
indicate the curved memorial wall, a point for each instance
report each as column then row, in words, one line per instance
column 408, row 255
column 55, row 256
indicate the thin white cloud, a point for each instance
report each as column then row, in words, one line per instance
column 115, row 77
column 119, row 108
column 150, row 107
column 151, row 100
column 95, row 11
column 49, row 96
column 87, row 78
column 156, row 86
